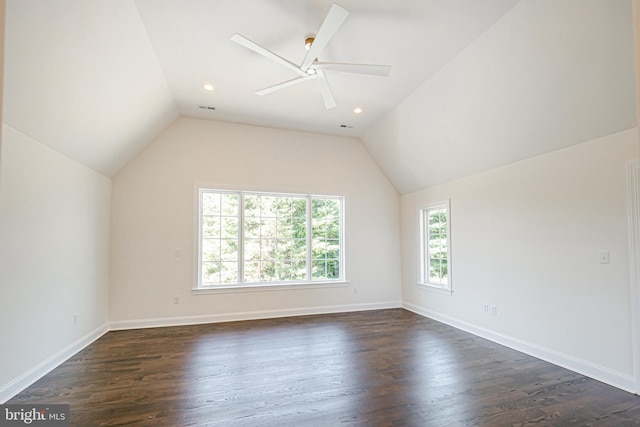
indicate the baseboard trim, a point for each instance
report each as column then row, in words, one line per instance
column 600, row 373
column 34, row 374
column 247, row 315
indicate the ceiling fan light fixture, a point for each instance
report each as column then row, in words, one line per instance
column 308, row 42
column 310, row 68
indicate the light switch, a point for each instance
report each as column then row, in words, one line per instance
column 603, row 257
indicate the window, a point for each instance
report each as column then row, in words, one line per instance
column 435, row 250
column 251, row 239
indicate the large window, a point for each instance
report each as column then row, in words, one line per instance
column 248, row 238
column 435, row 251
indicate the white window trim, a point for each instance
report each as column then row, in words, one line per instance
column 270, row 286
column 423, row 282
column 264, row 286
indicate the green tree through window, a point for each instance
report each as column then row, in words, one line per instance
column 435, row 252
column 257, row 238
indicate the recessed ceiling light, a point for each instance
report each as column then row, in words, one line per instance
column 357, row 110
column 208, row 87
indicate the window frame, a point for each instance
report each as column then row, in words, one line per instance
column 242, row 284
column 423, row 248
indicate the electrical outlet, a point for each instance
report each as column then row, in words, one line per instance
column 485, row 308
column 493, row 310
column 176, row 299
column 75, row 318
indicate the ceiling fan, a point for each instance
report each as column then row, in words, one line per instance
column 311, row 68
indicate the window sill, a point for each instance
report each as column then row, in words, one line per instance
column 268, row 287
column 436, row 289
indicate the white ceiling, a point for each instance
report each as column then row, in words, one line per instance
column 475, row 84
column 416, row 37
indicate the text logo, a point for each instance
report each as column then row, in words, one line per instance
column 34, row 415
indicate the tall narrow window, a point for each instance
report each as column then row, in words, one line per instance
column 435, row 251
column 274, row 238
column 325, row 232
column 219, row 238
column 252, row 239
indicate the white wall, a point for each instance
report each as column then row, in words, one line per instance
column 154, row 214
column 54, row 249
column 526, row 237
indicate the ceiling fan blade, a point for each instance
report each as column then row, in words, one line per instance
column 327, row 95
column 243, row 41
column 328, row 29
column 373, row 70
column 283, row 85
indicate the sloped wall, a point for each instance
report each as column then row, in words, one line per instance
column 547, row 75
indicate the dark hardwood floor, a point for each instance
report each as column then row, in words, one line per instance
column 375, row 368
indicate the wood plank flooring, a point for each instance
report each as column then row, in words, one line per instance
column 374, row 368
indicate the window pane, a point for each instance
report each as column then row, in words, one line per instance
column 229, row 204
column 284, row 207
column 269, row 206
column 284, row 269
column 333, row 229
column 298, row 269
column 251, row 249
column 210, row 203
column 269, row 271
column 318, row 269
column 229, row 227
column 299, row 228
column 333, row 249
column 333, row 269
column 229, row 272
column 251, row 206
column 210, row 226
column 285, row 228
column 285, row 249
column 268, row 249
column 252, row 228
column 252, row 271
column 268, row 229
column 210, row 273
column 229, row 250
column 299, row 208
column 210, row 249
column 299, row 249
column 318, row 249
column 317, row 207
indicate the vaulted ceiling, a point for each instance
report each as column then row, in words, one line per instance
column 474, row 84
